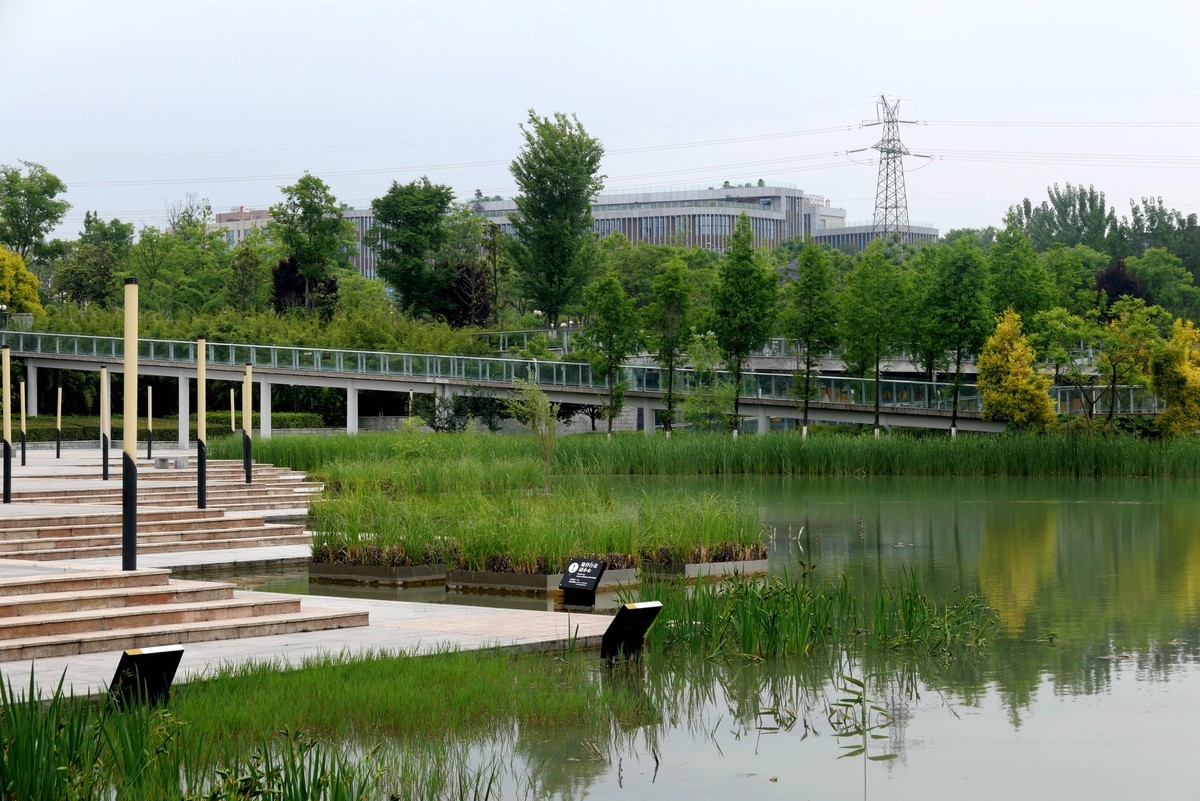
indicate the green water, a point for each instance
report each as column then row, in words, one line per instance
column 1089, row 690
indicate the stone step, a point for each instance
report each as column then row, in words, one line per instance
column 15, row 547
column 152, row 514
column 169, row 547
column 66, row 601
column 88, row 528
column 83, row 581
column 43, row 647
column 139, row 617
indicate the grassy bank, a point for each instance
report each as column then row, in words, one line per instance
column 783, row 454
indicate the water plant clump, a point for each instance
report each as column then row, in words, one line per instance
column 783, row 616
column 519, row 533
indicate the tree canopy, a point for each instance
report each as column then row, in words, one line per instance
column 29, row 208
column 557, row 172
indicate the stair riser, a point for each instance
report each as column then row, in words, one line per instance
column 235, row 630
column 200, row 545
column 68, row 605
column 12, row 628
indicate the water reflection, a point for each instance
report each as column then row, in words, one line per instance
column 1097, row 584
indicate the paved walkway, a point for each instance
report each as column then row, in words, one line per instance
column 395, row 626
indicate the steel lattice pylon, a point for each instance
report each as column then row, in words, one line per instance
column 891, row 202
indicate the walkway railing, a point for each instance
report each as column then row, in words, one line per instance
column 550, row 374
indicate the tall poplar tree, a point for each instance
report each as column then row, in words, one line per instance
column 557, row 172
column 810, row 317
column 872, row 313
column 667, row 327
column 745, row 303
column 956, row 310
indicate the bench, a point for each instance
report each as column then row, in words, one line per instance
column 168, row 462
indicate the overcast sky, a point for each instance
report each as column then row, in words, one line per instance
column 135, row 104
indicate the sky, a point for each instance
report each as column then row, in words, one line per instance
column 136, row 105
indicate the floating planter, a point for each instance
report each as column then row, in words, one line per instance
column 704, row 569
column 539, row 583
column 378, row 574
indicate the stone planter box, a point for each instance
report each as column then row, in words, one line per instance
column 372, row 574
column 705, row 569
column 527, row 582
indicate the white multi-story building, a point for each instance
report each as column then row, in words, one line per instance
column 239, row 221
column 698, row 217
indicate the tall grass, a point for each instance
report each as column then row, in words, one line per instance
column 785, row 616
column 531, row 532
column 782, row 453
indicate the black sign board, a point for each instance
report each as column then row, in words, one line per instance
column 580, row 580
column 145, row 675
column 627, row 633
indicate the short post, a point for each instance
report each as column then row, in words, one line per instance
column 247, row 423
column 129, row 430
column 201, row 427
column 149, row 422
column 6, row 387
column 232, row 412
column 58, row 428
column 22, row 386
column 104, row 444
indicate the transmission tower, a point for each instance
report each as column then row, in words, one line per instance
column 891, row 202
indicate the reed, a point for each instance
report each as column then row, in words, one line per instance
column 532, row 532
column 784, row 617
column 781, row 453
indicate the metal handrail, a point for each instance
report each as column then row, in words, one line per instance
column 556, row 374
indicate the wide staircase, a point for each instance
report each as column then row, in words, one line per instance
column 273, row 489
column 75, row 612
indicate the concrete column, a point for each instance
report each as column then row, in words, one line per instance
column 264, row 409
column 648, row 420
column 351, row 409
column 185, row 410
column 31, row 398
column 764, row 421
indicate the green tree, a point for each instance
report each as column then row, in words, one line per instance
column 956, row 310
column 1073, row 271
column 667, row 320
column 1167, row 282
column 87, row 274
column 409, row 226
column 1063, row 340
column 248, row 285
column 461, row 256
column 557, row 173
column 872, row 312
column 1009, row 386
column 1127, row 344
column 710, row 401
column 611, row 337
column 29, row 208
column 1017, row 279
column 116, row 233
column 310, row 228
column 810, row 318
column 18, row 286
column 745, row 303
column 1176, row 379
column 1071, row 216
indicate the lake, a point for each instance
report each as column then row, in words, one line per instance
column 1089, row 689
